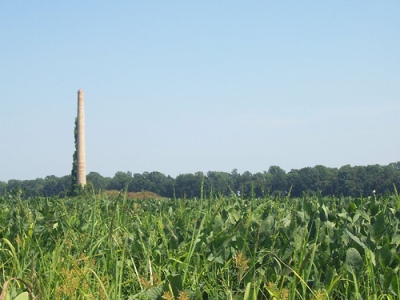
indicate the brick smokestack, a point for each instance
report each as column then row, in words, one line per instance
column 81, row 159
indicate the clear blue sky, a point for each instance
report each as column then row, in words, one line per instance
column 186, row 86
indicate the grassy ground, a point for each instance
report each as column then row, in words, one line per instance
column 115, row 246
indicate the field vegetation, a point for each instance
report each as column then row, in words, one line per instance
column 112, row 246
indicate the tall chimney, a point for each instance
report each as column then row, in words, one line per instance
column 81, row 176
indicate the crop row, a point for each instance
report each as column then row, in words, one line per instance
column 110, row 247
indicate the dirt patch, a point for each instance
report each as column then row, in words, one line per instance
column 134, row 195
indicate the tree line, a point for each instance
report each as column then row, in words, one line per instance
column 347, row 181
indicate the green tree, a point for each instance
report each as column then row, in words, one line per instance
column 374, row 179
column 120, row 181
column 3, row 187
column 246, row 184
column 295, row 183
column 279, row 183
column 326, row 180
column 99, row 182
column 220, row 183
column 33, row 188
column 262, row 184
column 14, row 184
column 161, row 184
column 346, row 181
column 75, row 189
column 138, row 183
column 236, row 181
column 50, row 186
column 188, row 185
column 391, row 176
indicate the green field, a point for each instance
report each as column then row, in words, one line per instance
column 104, row 246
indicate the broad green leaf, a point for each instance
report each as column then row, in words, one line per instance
column 247, row 291
column 218, row 224
column 219, row 260
column 396, row 284
column 354, row 261
column 388, row 277
column 173, row 282
column 154, row 293
column 300, row 216
column 211, row 257
column 270, row 222
column 385, row 256
column 364, row 215
column 22, row 296
column 343, row 215
column 356, row 217
column 233, row 216
column 352, row 208
column 371, row 256
column 379, row 226
column 396, row 240
column 323, row 213
column 356, row 239
column 374, row 209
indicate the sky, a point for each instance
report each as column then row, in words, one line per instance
column 185, row 86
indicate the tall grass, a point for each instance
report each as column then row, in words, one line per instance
column 103, row 246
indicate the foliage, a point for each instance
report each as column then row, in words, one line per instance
column 106, row 246
column 75, row 189
column 345, row 181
